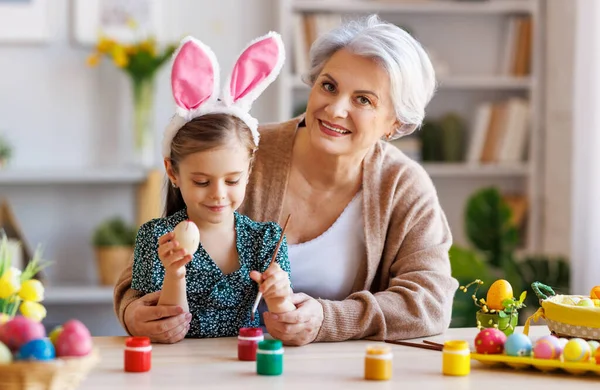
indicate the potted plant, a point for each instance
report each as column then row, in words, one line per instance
column 113, row 241
column 5, row 152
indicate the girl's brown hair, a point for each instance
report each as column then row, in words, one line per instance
column 200, row 134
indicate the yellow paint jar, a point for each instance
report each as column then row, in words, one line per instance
column 456, row 358
column 378, row 362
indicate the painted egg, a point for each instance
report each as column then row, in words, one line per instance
column 19, row 331
column 5, row 354
column 39, row 349
column 499, row 291
column 518, row 344
column 490, row 341
column 188, row 236
column 55, row 333
column 593, row 346
column 547, row 347
column 585, row 302
column 598, row 356
column 577, row 350
column 562, row 341
column 74, row 340
column 595, row 292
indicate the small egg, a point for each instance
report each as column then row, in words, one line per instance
column 585, row 302
column 498, row 292
column 518, row 344
column 5, row 354
column 598, row 356
column 38, row 349
column 547, row 347
column 576, row 350
column 188, row 236
column 593, row 346
column 563, row 341
column 490, row 341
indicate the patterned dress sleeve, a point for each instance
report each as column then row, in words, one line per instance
column 145, row 254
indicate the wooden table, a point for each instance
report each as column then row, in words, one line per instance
column 212, row 363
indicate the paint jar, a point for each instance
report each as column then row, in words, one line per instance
column 269, row 358
column 378, row 363
column 138, row 354
column 248, row 340
column 456, row 358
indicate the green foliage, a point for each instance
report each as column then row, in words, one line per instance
column 443, row 139
column 5, row 149
column 114, row 232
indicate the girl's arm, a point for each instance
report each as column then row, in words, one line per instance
column 174, row 292
column 276, row 284
column 174, row 258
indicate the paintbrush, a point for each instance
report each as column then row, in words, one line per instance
column 273, row 259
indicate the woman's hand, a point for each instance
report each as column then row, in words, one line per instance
column 163, row 324
column 298, row 327
column 274, row 283
column 172, row 257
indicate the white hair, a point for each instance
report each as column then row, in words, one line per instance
column 412, row 77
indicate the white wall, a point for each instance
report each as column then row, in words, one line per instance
column 60, row 114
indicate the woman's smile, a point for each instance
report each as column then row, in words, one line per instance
column 333, row 130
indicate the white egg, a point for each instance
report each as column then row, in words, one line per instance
column 188, row 236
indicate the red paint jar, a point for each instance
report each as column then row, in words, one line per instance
column 248, row 340
column 138, row 354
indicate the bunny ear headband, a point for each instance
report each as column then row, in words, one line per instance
column 195, row 82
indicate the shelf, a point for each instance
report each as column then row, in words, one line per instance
column 421, row 6
column 78, row 295
column 461, row 82
column 476, row 170
column 80, row 176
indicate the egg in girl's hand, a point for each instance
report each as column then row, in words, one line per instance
column 498, row 292
column 74, row 340
column 577, row 350
column 19, row 331
column 38, row 349
column 188, row 236
column 5, row 354
column 490, row 341
column 518, row 344
column 547, row 347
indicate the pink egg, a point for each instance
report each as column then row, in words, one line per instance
column 20, row 330
column 547, row 347
column 74, row 340
column 490, row 341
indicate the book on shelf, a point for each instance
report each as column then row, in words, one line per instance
column 516, row 56
column 500, row 132
column 307, row 28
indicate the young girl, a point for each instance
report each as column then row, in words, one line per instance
column 208, row 149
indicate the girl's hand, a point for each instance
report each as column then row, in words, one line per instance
column 273, row 283
column 173, row 257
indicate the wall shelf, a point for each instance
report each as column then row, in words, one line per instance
column 73, row 294
column 425, row 7
column 441, row 170
column 65, row 176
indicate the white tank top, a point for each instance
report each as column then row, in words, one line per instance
column 326, row 266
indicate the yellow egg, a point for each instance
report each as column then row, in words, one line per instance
column 499, row 291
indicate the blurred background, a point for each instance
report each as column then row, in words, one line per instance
column 510, row 138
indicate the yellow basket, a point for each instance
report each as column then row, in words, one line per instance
column 563, row 319
column 59, row 374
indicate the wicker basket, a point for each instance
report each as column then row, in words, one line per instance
column 59, row 374
column 564, row 319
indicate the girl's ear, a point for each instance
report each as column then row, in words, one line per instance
column 256, row 68
column 169, row 170
column 194, row 76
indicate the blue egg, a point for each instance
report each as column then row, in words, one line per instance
column 38, row 349
column 518, row 344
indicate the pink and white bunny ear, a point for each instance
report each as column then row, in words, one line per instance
column 256, row 68
column 194, row 76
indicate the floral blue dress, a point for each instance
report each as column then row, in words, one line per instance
column 220, row 304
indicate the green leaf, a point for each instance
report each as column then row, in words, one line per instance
column 501, row 314
column 114, row 232
column 508, row 303
column 523, row 296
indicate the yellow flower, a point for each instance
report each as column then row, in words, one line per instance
column 148, row 46
column 32, row 290
column 10, row 282
column 33, row 310
column 105, row 45
column 120, row 56
column 131, row 49
column 93, row 59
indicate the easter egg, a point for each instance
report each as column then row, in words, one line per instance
column 490, row 341
column 547, row 347
column 499, row 291
column 595, row 292
column 593, row 346
column 585, row 302
column 39, row 349
column 518, row 344
column 598, row 356
column 188, row 236
column 19, row 331
column 5, row 354
column 74, row 340
column 562, row 341
column 55, row 333
column 596, row 302
column 576, row 350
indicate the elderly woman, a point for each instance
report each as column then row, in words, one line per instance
column 368, row 240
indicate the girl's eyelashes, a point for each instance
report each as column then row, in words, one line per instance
column 232, row 182
column 201, row 183
column 206, row 183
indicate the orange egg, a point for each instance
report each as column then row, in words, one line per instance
column 499, row 291
column 595, row 293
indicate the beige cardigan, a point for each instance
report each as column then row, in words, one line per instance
column 404, row 288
